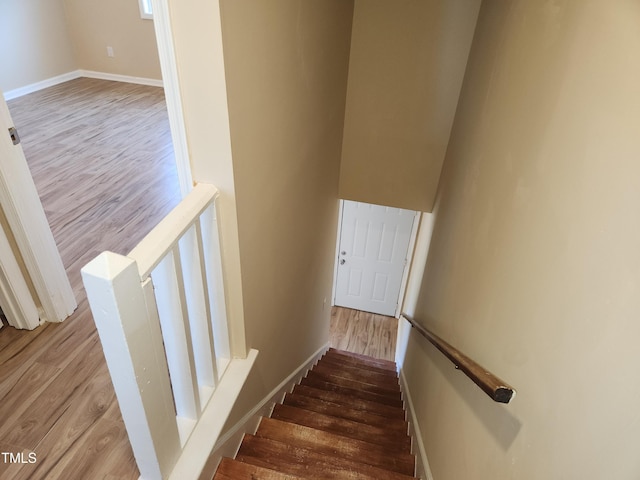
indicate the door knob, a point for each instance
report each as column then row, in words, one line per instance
column 342, row 261
column 343, row 253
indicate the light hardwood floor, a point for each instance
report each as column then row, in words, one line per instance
column 363, row 332
column 101, row 157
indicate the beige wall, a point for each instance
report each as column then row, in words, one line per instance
column 286, row 67
column 36, row 44
column 406, row 68
column 534, row 266
column 95, row 24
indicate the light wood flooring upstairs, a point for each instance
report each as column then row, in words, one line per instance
column 102, row 161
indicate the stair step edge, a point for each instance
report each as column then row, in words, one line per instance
column 343, row 447
column 291, row 459
column 338, row 410
column 230, row 469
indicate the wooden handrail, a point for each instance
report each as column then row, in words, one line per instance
column 497, row 389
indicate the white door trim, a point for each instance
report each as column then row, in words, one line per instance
column 15, row 298
column 405, row 275
column 407, row 265
column 337, row 255
column 171, row 82
column 27, row 221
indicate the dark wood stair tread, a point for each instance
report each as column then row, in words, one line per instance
column 359, row 367
column 349, row 401
column 344, row 421
column 383, row 364
column 392, row 440
column 307, row 463
column 337, row 410
column 322, row 384
column 359, row 375
column 337, row 379
column 338, row 445
column 234, row 470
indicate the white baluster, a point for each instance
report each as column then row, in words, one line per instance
column 213, row 267
column 130, row 338
column 197, row 298
column 176, row 331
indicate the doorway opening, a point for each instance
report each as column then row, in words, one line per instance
column 373, row 254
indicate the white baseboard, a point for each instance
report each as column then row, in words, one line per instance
column 34, row 87
column 152, row 82
column 229, row 443
column 65, row 77
column 417, row 446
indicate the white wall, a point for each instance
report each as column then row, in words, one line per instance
column 36, row 42
column 534, row 265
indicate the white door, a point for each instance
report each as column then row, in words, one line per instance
column 372, row 256
column 26, row 220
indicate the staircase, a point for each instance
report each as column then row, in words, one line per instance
column 344, row 421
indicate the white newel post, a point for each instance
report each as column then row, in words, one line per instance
column 131, row 339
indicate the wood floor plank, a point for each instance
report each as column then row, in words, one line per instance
column 105, row 440
column 28, row 429
column 69, row 431
column 363, row 332
column 27, row 389
column 12, row 468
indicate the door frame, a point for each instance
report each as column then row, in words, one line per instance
column 405, row 273
column 171, row 83
column 17, row 303
column 29, row 227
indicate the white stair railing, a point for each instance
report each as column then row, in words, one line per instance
column 161, row 317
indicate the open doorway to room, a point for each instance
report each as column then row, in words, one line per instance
column 103, row 163
column 374, row 248
column 96, row 137
column 102, row 160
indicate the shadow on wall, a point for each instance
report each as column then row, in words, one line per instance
column 496, row 417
